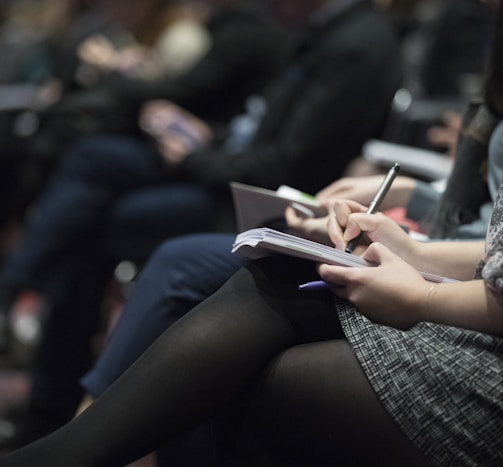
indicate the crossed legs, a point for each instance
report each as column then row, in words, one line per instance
column 257, row 332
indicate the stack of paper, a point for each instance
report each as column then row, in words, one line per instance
column 259, row 242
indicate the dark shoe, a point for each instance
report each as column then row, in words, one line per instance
column 24, row 424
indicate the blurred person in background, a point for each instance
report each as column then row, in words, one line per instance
column 319, row 379
column 177, row 38
column 78, row 100
column 320, row 109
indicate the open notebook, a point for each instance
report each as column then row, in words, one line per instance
column 259, row 242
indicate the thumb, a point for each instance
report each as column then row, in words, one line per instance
column 378, row 253
column 364, row 222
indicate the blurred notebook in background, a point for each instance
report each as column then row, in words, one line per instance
column 256, row 207
column 425, row 164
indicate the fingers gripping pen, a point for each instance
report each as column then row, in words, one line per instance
column 376, row 202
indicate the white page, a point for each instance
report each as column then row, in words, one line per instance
column 259, row 242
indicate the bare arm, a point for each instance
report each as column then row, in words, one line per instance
column 394, row 292
column 457, row 260
column 363, row 189
column 468, row 305
column 452, row 259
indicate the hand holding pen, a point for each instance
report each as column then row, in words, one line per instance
column 376, row 202
column 372, row 208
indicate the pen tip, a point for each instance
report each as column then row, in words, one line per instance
column 396, row 166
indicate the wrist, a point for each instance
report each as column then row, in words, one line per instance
column 428, row 302
column 420, row 304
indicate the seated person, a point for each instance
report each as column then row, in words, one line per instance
column 247, row 49
column 184, row 271
column 323, row 373
column 62, row 254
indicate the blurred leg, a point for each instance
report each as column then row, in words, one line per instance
column 180, row 274
column 92, row 175
column 195, row 369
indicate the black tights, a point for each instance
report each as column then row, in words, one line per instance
column 315, row 405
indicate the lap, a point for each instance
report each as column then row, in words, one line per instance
column 143, row 218
column 320, row 409
column 113, row 159
column 181, row 273
column 318, row 405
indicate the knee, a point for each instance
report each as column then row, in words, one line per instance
column 199, row 253
column 301, row 376
column 178, row 268
column 284, row 374
column 177, row 251
column 96, row 154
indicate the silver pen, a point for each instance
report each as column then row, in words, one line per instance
column 376, row 202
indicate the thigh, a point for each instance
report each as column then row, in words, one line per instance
column 181, row 273
column 311, row 313
column 320, row 409
column 142, row 218
column 121, row 161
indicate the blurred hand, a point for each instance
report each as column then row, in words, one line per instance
column 129, row 61
column 363, row 189
column 311, row 228
column 49, row 93
column 177, row 132
column 447, row 134
column 99, row 52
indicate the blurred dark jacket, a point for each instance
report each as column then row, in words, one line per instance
column 334, row 95
column 460, row 45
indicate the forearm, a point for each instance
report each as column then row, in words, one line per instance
column 457, row 260
column 469, row 305
column 400, row 193
column 363, row 189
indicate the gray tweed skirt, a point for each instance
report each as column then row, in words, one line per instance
column 443, row 385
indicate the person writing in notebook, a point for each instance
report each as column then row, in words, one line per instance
column 293, row 144
column 423, row 406
column 368, row 363
column 167, row 288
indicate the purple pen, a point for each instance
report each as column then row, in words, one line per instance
column 315, row 285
